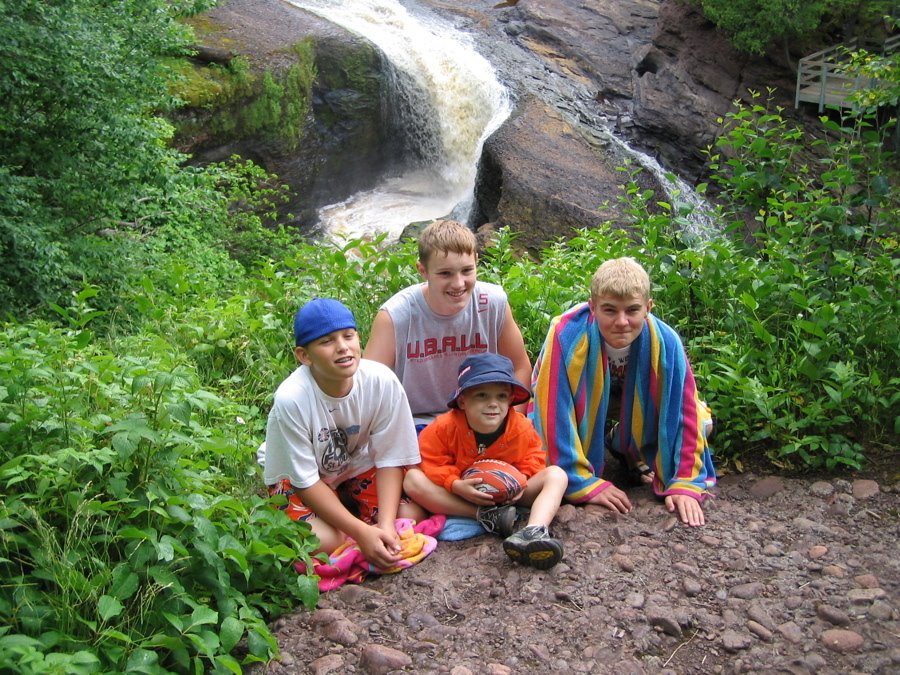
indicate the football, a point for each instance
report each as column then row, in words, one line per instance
column 501, row 480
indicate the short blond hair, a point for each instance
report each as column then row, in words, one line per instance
column 446, row 236
column 620, row 278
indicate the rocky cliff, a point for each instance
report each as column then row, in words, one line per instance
column 654, row 71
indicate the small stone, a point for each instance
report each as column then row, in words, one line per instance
column 816, row 552
column 664, row 620
column 864, row 489
column 832, row 615
column 341, row 631
column 841, row 640
column 842, row 485
column 635, row 600
column 791, row 632
column 866, row 581
column 880, row 611
column 692, row 587
column 772, row 550
column 332, row 663
column 747, row 591
column 710, row 541
column 815, row 662
column 461, row 670
column 379, row 660
column 616, row 536
column 566, row 514
column 821, row 488
column 625, row 563
column 809, row 525
column 864, row 596
column 540, row 651
column 834, row 571
column 757, row 613
column 767, row 487
column 793, row 602
column 498, row 669
column 322, row 617
column 286, row 659
column 759, row 631
column 733, row 641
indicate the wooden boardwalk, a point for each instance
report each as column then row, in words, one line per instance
column 820, row 78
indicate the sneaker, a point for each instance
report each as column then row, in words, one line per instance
column 533, row 546
column 497, row 519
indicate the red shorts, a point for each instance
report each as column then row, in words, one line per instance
column 360, row 490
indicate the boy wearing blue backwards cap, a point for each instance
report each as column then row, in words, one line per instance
column 482, row 424
column 341, row 421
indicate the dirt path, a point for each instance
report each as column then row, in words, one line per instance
column 795, row 576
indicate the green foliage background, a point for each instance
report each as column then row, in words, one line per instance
column 756, row 25
column 148, row 311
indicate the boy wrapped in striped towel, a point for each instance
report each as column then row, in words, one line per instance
column 613, row 376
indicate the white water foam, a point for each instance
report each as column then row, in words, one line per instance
column 450, row 88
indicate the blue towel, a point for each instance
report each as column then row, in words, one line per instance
column 458, row 528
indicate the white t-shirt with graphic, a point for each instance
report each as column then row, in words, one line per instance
column 312, row 436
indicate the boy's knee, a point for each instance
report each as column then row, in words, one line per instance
column 329, row 537
column 414, row 482
column 556, row 474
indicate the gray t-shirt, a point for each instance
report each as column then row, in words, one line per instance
column 429, row 348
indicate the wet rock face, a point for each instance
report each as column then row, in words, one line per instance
column 346, row 142
column 659, row 71
column 654, row 71
column 540, row 178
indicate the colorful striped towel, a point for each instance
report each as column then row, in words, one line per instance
column 662, row 417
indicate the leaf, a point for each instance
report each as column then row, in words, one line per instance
column 143, row 661
column 230, row 633
column 206, row 642
column 765, row 336
column 109, row 607
column 124, row 582
column 812, row 328
column 178, row 513
column 749, row 301
column 202, row 616
column 309, row 590
column 229, row 663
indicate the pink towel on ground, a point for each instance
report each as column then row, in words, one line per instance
column 347, row 563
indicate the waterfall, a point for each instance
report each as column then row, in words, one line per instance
column 450, row 102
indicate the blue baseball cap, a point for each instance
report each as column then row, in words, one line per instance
column 488, row 368
column 319, row 317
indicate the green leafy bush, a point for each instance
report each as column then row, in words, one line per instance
column 123, row 543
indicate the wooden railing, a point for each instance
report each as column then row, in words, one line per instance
column 820, row 80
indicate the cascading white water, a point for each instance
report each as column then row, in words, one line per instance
column 455, row 93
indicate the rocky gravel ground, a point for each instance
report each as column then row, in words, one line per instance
column 788, row 576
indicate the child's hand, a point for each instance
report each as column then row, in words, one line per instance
column 467, row 490
column 390, row 537
column 613, row 499
column 375, row 545
column 689, row 510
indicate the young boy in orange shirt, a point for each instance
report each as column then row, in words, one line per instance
column 481, row 424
